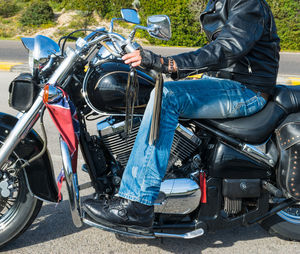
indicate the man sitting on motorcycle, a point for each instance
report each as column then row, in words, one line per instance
column 240, row 64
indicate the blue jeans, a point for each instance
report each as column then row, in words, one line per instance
column 204, row 98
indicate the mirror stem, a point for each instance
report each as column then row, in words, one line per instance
column 112, row 24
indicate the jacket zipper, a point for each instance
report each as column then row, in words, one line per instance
column 249, row 65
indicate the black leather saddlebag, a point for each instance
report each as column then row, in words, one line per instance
column 288, row 139
column 22, row 92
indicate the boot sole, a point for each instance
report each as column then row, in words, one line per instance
column 139, row 229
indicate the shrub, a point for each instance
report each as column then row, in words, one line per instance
column 186, row 29
column 56, row 4
column 102, row 7
column 116, row 6
column 36, row 14
column 8, row 8
column 287, row 18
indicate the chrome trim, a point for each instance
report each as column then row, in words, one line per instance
column 72, row 184
column 63, row 69
column 255, row 152
column 178, row 196
column 85, row 95
column 108, row 125
column 19, row 115
column 41, row 46
column 189, row 235
column 188, row 134
column 54, row 93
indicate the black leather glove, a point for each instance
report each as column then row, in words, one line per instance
column 151, row 60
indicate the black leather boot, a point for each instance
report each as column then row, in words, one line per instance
column 119, row 211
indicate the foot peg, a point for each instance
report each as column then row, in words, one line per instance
column 135, row 232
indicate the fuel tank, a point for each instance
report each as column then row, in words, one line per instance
column 105, row 88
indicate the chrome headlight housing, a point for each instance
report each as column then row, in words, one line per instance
column 40, row 49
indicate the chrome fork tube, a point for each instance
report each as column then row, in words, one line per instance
column 28, row 119
column 63, row 70
column 20, row 130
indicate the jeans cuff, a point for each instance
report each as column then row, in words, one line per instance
column 144, row 201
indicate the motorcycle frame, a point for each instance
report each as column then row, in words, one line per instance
column 19, row 130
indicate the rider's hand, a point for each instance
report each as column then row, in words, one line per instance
column 146, row 59
column 149, row 60
column 134, row 58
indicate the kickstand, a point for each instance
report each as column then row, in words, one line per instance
column 161, row 231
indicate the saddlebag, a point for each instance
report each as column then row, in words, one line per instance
column 288, row 140
column 22, row 92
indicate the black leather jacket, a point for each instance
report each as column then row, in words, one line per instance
column 243, row 44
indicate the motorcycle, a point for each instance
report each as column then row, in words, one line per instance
column 221, row 173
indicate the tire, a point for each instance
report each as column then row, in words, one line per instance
column 19, row 211
column 285, row 224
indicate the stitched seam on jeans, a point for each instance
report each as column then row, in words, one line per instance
column 145, row 166
column 246, row 103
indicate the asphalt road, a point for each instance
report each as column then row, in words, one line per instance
column 15, row 51
column 53, row 231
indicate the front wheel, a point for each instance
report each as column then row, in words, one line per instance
column 285, row 224
column 18, row 208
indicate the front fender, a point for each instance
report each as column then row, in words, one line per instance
column 40, row 174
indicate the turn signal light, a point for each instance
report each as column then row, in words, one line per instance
column 46, row 94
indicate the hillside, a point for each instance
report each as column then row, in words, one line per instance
column 56, row 18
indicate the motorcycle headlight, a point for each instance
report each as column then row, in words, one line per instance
column 32, row 62
column 40, row 48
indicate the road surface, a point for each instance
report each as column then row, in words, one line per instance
column 53, row 231
column 15, row 51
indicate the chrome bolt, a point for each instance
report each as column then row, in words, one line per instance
column 243, row 186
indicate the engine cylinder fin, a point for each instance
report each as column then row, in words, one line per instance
column 120, row 147
column 232, row 206
column 117, row 139
column 120, row 150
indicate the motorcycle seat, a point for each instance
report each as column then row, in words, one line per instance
column 257, row 128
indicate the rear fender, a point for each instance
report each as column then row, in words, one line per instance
column 40, row 174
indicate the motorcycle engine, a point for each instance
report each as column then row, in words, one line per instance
column 179, row 195
column 112, row 133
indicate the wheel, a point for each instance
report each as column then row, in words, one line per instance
column 18, row 208
column 285, row 224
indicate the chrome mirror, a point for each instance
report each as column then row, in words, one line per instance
column 130, row 15
column 159, row 26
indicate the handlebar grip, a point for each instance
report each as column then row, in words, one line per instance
column 131, row 47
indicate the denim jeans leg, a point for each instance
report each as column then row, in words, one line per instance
column 147, row 163
column 206, row 98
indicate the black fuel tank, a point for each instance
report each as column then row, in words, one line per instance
column 226, row 162
column 105, row 90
